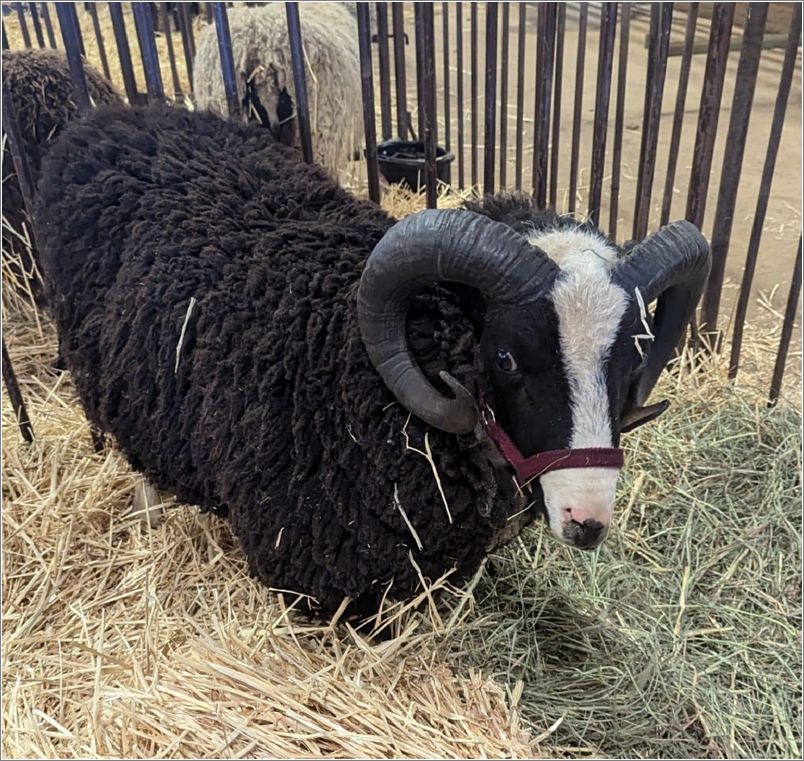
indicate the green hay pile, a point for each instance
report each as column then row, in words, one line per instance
column 681, row 637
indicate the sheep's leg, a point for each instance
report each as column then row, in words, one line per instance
column 147, row 504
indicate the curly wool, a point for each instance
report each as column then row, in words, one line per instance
column 269, row 411
column 44, row 100
column 261, row 53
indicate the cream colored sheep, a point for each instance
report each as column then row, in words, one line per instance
column 265, row 76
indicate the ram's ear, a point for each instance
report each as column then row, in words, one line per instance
column 638, row 416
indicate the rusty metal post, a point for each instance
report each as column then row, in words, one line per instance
column 520, row 97
column 187, row 40
column 400, row 84
column 619, row 119
column 93, row 13
column 68, row 21
column 709, row 110
column 300, row 80
column 490, row 126
column 174, row 71
column 577, row 112
column 790, row 313
column 51, row 37
column 557, row 88
column 428, row 103
column 460, row 95
column 785, row 81
column 474, row 53
column 26, row 35
column 384, row 56
column 124, row 53
column 678, row 113
column 26, row 183
column 652, row 118
column 221, row 17
column 745, row 84
column 504, row 95
column 40, row 40
column 445, row 51
column 608, row 29
column 144, row 24
column 545, row 47
column 15, row 396
column 364, row 40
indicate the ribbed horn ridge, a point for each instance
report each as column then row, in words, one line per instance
column 440, row 245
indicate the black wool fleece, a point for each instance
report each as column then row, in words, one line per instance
column 270, row 413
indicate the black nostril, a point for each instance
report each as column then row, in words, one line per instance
column 586, row 535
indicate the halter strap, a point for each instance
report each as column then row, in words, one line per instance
column 528, row 468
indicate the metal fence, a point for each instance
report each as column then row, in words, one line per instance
column 533, row 71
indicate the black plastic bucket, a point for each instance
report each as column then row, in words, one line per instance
column 402, row 161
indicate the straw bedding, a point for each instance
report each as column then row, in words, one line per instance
column 679, row 638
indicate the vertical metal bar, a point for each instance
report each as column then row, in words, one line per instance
column 51, row 37
column 187, row 41
column 93, row 12
column 174, row 72
column 124, row 52
column 652, row 119
column 207, row 12
column 608, row 29
column 383, row 53
column 430, row 135
column 25, row 179
column 545, row 47
column 520, row 97
column 40, row 40
column 144, row 24
column 402, row 126
column 678, row 114
column 745, row 84
column 577, row 112
column 473, row 86
column 68, row 21
column 445, row 45
column 559, row 73
column 785, row 81
column 19, row 157
column 5, row 38
column 490, row 125
column 619, row 119
column 419, row 33
column 790, row 313
column 504, row 96
column 459, row 94
column 221, row 16
column 364, row 40
column 26, row 35
column 15, row 397
column 300, row 80
column 714, row 76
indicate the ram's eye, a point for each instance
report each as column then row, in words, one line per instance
column 505, row 361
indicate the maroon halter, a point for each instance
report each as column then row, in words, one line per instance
column 528, row 468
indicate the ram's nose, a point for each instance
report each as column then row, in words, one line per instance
column 583, row 532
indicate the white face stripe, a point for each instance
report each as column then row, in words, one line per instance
column 589, row 309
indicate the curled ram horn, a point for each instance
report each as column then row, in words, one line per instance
column 447, row 245
column 671, row 267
